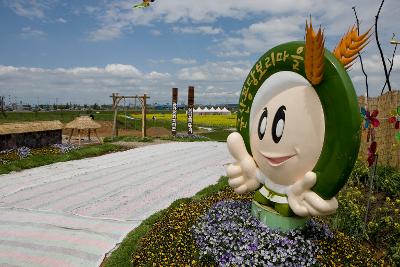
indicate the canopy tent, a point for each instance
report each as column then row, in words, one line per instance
column 210, row 111
column 225, row 111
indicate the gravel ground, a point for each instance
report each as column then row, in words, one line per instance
column 73, row 213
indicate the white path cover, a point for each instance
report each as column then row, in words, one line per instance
column 73, row 213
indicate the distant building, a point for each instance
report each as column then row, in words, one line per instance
column 21, row 107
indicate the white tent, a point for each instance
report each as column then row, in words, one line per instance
column 197, row 110
column 225, row 111
column 212, row 110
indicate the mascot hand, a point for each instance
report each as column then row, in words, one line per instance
column 305, row 202
column 242, row 173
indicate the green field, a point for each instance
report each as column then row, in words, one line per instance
column 220, row 121
column 63, row 116
column 126, row 119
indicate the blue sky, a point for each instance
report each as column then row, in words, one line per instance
column 82, row 51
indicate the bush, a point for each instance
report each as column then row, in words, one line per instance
column 388, row 180
column 360, row 172
column 380, row 225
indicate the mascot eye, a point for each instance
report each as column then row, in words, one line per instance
column 278, row 124
column 262, row 124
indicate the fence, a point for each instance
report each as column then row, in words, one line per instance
column 388, row 149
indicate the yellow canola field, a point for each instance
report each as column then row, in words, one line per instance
column 228, row 121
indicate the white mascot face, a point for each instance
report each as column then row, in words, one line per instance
column 287, row 127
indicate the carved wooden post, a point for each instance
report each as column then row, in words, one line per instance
column 190, row 109
column 174, row 106
column 115, row 107
column 144, row 116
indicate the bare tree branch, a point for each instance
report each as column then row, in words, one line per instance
column 380, row 48
column 391, row 63
column 359, row 54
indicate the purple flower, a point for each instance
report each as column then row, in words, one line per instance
column 232, row 236
column 23, row 152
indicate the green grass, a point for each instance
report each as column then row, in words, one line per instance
column 128, row 139
column 40, row 160
column 186, row 139
column 63, row 116
column 136, row 124
column 122, row 255
column 219, row 135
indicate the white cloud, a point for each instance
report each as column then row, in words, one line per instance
column 106, row 33
column 198, row 30
column 258, row 36
column 80, row 84
column 30, row 8
column 181, row 61
column 118, row 16
column 122, row 70
column 215, row 71
column 156, row 76
column 216, row 82
column 61, row 20
column 29, row 33
column 155, row 32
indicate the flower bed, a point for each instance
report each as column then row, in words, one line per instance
column 230, row 235
column 218, row 230
column 170, row 242
column 11, row 155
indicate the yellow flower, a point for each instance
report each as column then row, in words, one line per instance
column 388, row 219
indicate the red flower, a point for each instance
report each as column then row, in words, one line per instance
column 371, row 154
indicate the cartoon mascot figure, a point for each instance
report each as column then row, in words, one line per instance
column 298, row 127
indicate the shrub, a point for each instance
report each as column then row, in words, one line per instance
column 380, row 225
column 388, row 180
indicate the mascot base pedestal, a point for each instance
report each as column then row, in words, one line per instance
column 272, row 219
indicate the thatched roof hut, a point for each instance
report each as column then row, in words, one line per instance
column 82, row 123
column 31, row 134
column 30, row 126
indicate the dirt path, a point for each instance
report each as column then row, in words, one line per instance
column 73, row 213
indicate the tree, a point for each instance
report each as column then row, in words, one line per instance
column 359, row 54
column 387, row 74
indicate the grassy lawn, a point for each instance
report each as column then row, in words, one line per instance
column 227, row 121
column 63, row 116
column 33, row 161
column 128, row 139
column 219, row 135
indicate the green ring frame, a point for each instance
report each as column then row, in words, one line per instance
column 341, row 111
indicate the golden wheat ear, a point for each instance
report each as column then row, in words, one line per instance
column 314, row 54
column 350, row 45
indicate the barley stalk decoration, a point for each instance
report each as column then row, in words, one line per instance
column 350, row 45
column 314, row 54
